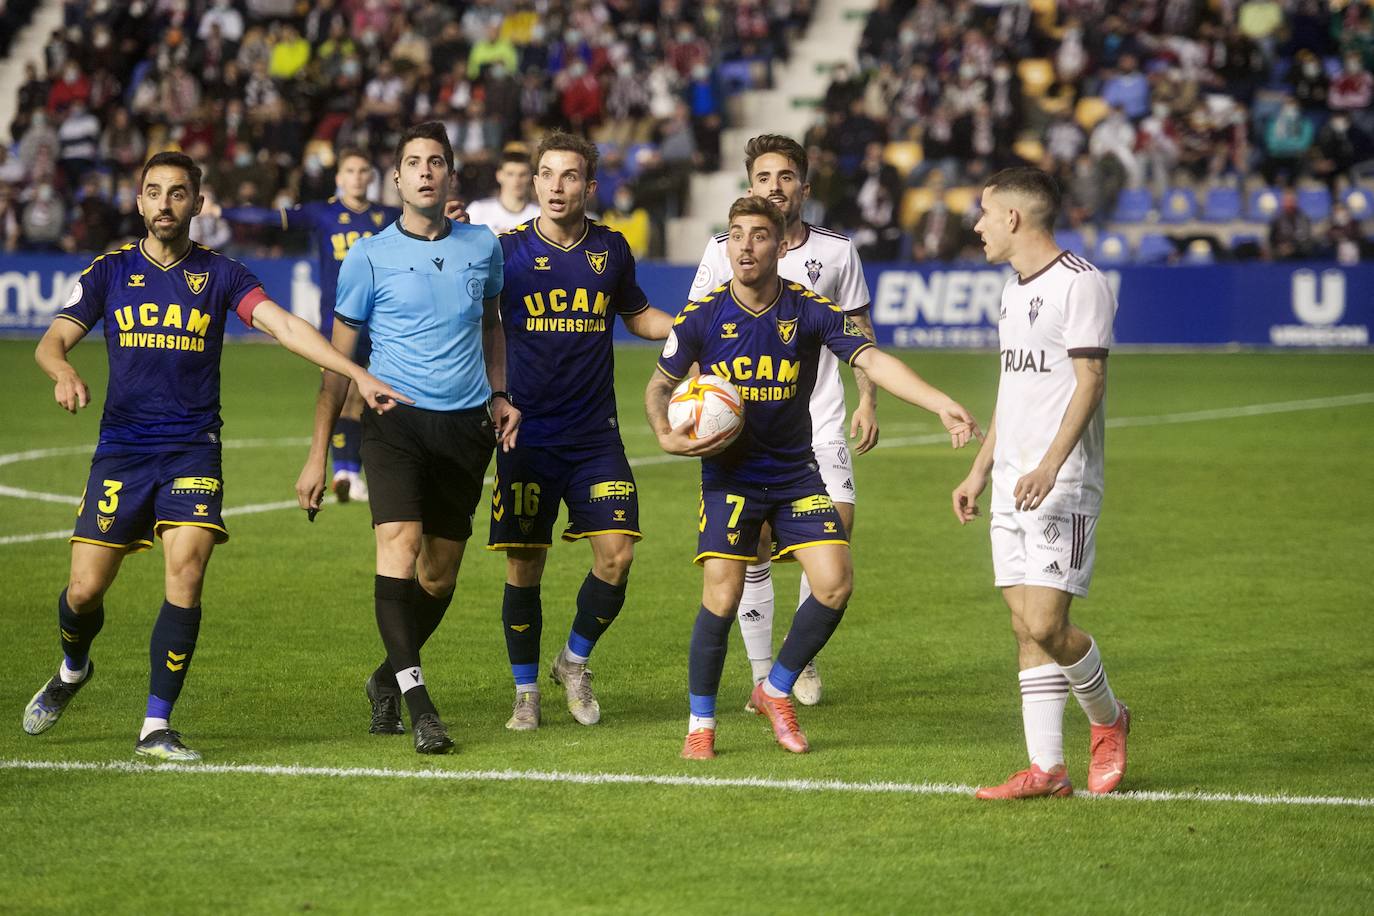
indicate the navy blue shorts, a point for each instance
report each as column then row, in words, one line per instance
column 130, row 498
column 595, row 481
column 730, row 519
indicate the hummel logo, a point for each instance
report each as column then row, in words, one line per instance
column 1053, row 569
column 439, row 263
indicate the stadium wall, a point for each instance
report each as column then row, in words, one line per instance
column 1263, row 305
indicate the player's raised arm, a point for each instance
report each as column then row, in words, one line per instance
column 70, row 391
column 301, row 338
column 896, row 377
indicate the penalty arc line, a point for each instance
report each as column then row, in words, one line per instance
column 1195, row 416
column 667, row 780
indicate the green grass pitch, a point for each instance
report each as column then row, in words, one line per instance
column 1231, row 602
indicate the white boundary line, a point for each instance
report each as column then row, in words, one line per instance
column 1195, row 416
column 700, row 782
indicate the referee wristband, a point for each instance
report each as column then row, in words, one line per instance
column 502, row 394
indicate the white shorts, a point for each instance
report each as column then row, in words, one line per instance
column 837, row 469
column 1049, row 547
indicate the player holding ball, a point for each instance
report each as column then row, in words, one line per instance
column 765, row 336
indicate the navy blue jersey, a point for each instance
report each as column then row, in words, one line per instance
column 334, row 227
column 771, row 357
column 559, row 309
column 164, row 329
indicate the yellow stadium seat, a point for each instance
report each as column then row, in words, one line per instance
column 960, row 200
column 1036, row 73
column 1029, row 149
column 903, row 155
column 1090, row 110
column 915, row 202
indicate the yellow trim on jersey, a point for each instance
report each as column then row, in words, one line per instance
column 586, row 231
column 578, row 535
column 137, row 546
column 158, row 526
column 669, row 375
column 786, row 553
column 750, row 312
column 76, row 320
column 713, row 555
column 504, row 546
column 281, row 211
column 149, row 258
column 862, row 347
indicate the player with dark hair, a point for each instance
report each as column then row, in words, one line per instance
column 156, row 469
column 567, row 278
column 1044, row 454
column 826, row 263
column 765, row 335
column 514, row 204
column 427, row 290
column 335, row 225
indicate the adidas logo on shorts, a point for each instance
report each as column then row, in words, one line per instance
column 1053, row 569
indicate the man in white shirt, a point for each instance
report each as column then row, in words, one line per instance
column 514, row 204
column 824, row 262
column 1044, row 453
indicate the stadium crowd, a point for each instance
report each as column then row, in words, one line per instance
column 261, row 92
column 1141, row 110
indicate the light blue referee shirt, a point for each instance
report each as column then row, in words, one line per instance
column 422, row 303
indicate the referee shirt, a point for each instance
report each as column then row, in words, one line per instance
column 422, row 303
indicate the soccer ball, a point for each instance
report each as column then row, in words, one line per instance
column 711, row 403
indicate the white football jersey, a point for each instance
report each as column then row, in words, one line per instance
column 825, row 263
column 1065, row 310
column 490, row 212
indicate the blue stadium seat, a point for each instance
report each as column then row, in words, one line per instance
column 1133, row 206
column 1316, row 203
column 1071, row 240
column 1154, row 249
column 1222, row 205
column 1360, row 202
column 1178, row 205
column 1111, row 249
column 1264, row 203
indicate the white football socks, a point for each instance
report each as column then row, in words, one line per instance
column 1090, row 687
column 696, row 722
column 1044, row 694
column 756, row 618
column 69, row 676
column 152, row 725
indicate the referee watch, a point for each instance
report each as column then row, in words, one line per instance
column 502, row 394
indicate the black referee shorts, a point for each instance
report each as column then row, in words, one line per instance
column 427, row 466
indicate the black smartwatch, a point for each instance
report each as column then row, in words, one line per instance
column 502, row 394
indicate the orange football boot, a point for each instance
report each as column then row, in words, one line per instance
column 700, row 745
column 782, row 717
column 1108, row 750
column 1031, row 783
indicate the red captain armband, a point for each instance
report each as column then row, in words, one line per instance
column 250, row 301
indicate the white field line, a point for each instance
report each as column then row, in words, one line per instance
column 1195, row 416
column 698, row 782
